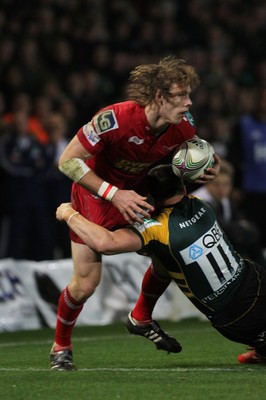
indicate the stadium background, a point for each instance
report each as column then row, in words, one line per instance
column 62, row 60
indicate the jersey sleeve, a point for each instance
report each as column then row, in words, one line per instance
column 99, row 131
column 153, row 231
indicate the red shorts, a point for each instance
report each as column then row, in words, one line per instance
column 95, row 209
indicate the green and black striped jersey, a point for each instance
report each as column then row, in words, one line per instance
column 187, row 239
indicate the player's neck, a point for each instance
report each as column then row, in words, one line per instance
column 157, row 123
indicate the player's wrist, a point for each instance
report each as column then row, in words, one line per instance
column 68, row 213
column 71, row 215
column 107, row 191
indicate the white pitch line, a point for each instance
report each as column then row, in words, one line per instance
column 178, row 369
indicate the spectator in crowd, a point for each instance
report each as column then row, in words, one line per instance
column 3, row 205
column 58, row 186
column 25, row 162
column 35, row 121
column 247, row 152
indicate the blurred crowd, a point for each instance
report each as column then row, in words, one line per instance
column 60, row 61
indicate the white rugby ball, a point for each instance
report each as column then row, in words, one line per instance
column 192, row 158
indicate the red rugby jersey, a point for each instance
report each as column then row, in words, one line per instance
column 124, row 146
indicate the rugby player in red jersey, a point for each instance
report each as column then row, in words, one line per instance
column 108, row 160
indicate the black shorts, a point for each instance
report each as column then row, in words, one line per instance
column 243, row 320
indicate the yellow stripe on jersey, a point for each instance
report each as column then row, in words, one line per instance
column 157, row 229
column 176, row 275
column 179, row 279
column 189, row 295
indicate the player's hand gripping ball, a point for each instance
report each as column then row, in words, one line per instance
column 192, row 158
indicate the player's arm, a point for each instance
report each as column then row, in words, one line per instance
column 73, row 164
column 96, row 237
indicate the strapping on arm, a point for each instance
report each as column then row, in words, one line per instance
column 74, row 168
column 107, row 191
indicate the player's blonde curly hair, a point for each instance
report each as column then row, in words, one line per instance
column 146, row 79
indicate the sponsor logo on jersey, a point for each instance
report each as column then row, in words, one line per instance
column 188, row 117
column 131, row 167
column 195, row 252
column 136, row 140
column 207, row 241
column 194, row 219
column 222, row 289
column 90, row 134
column 147, row 223
column 212, row 237
column 105, row 121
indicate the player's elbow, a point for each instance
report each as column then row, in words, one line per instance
column 61, row 161
column 60, row 165
column 102, row 247
column 105, row 247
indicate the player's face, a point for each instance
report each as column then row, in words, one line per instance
column 221, row 187
column 178, row 102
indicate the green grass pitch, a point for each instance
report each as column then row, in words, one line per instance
column 115, row 365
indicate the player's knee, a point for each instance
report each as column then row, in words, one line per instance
column 81, row 288
column 87, row 289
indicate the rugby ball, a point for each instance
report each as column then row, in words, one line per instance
column 192, row 158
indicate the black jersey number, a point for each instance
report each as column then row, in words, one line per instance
column 216, row 267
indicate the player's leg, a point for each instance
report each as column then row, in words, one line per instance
column 154, row 284
column 85, row 279
column 140, row 322
column 240, row 331
column 256, row 353
column 256, row 319
column 243, row 320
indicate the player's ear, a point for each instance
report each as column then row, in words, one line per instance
column 158, row 96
